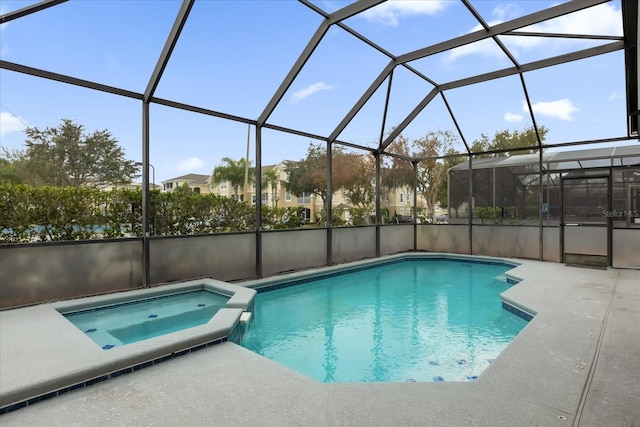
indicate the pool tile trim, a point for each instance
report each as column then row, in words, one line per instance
column 513, row 280
column 342, row 270
column 517, row 311
column 150, row 298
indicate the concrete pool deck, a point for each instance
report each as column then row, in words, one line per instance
column 576, row 363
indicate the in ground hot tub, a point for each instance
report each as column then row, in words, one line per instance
column 132, row 345
column 129, row 317
column 124, row 323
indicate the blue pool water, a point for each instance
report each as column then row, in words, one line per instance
column 116, row 325
column 417, row 320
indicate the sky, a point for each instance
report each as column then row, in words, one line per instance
column 233, row 55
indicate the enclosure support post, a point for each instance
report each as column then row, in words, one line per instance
column 377, row 160
column 329, row 211
column 540, row 202
column 415, row 205
column 493, row 191
column 470, row 204
column 152, row 85
column 561, row 219
column 145, row 195
column 610, row 218
column 258, row 181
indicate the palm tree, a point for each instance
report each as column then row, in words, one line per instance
column 270, row 177
column 232, row 171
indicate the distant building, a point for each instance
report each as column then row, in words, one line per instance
column 130, row 186
column 398, row 201
column 197, row 182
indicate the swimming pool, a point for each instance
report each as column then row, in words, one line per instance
column 115, row 325
column 416, row 319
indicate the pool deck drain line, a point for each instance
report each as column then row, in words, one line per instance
column 592, row 369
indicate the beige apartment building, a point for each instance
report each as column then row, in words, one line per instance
column 398, row 201
column 197, row 182
column 131, row 186
column 274, row 194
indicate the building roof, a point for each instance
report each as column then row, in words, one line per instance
column 193, row 178
column 574, row 159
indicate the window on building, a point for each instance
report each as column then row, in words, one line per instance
column 223, row 185
column 305, row 198
column 253, row 199
column 265, row 198
column 196, row 190
column 401, row 197
column 287, row 196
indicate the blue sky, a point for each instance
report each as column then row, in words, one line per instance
column 232, row 56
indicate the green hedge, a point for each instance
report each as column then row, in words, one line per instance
column 29, row 214
column 496, row 214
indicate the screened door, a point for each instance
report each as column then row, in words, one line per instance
column 585, row 220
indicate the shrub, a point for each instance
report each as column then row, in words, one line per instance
column 29, row 214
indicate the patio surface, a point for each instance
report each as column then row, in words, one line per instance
column 577, row 363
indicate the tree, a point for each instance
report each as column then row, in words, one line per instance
column 234, row 172
column 183, row 189
column 507, row 142
column 397, row 172
column 67, row 157
column 9, row 173
column 309, row 175
column 271, row 178
column 432, row 172
column 359, row 187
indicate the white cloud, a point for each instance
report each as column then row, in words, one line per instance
column 560, row 109
column 10, row 123
column 486, row 48
column 308, row 91
column 191, row 164
column 513, row 118
column 603, row 19
column 506, row 11
column 390, row 12
column 331, row 6
column 613, row 96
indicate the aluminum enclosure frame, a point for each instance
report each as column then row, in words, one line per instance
column 628, row 43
